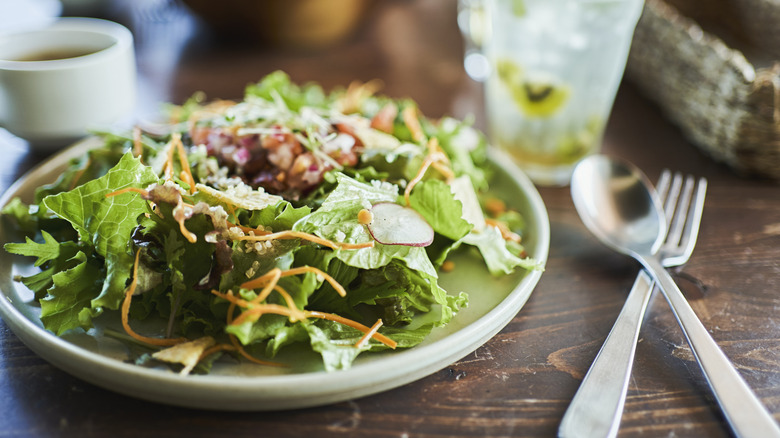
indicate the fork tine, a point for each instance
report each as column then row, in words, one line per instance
column 662, row 188
column 663, row 184
column 691, row 231
column 671, row 199
column 677, row 222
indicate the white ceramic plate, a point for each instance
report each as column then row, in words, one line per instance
column 244, row 386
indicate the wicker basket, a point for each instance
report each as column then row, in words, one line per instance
column 714, row 77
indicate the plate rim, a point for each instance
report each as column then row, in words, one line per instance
column 275, row 392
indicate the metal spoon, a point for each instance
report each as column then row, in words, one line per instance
column 617, row 203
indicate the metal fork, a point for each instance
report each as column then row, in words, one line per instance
column 597, row 407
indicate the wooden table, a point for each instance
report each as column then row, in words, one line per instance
column 520, row 382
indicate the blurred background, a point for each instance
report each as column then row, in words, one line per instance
column 184, row 46
column 709, row 65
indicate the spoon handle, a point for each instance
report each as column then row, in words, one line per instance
column 743, row 410
column 596, row 409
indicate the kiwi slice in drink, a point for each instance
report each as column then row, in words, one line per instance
column 534, row 97
column 540, row 99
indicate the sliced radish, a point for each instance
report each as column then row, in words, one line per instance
column 394, row 224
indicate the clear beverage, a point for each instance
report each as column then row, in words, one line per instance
column 555, row 69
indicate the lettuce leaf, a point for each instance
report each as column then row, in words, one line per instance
column 51, row 256
column 21, row 217
column 278, row 85
column 44, row 252
column 325, row 298
column 337, row 220
column 67, row 305
column 275, row 326
column 434, row 200
column 281, row 216
column 94, row 164
column 498, row 258
column 401, row 293
column 466, row 147
column 107, row 223
column 336, row 343
column 29, row 220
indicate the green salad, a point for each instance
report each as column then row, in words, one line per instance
column 294, row 216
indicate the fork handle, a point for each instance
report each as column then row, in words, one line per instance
column 596, row 409
column 745, row 413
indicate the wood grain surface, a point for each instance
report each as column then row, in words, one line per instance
column 520, row 382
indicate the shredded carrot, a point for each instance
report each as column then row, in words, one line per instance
column 231, row 307
column 356, row 93
column 409, row 115
column 284, row 311
column 435, row 158
column 448, row 174
column 272, row 277
column 289, row 234
column 168, row 166
column 174, row 146
column 369, row 334
column 328, row 278
column 288, row 299
column 420, row 173
column 495, row 206
column 254, row 309
column 186, row 172
column 506, row 233
column 162, row 342
column 261, row 281
column 230, row 297
column 385, row 117
column 257, row 231
column 245, row 229
column 238, row 347
column 141, row 192
column 261, row 309
column 355, row 325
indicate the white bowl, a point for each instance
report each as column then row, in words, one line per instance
column 58, row 81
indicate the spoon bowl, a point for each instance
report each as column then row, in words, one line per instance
column 619, row 205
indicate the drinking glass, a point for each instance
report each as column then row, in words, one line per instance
column 555, row 66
